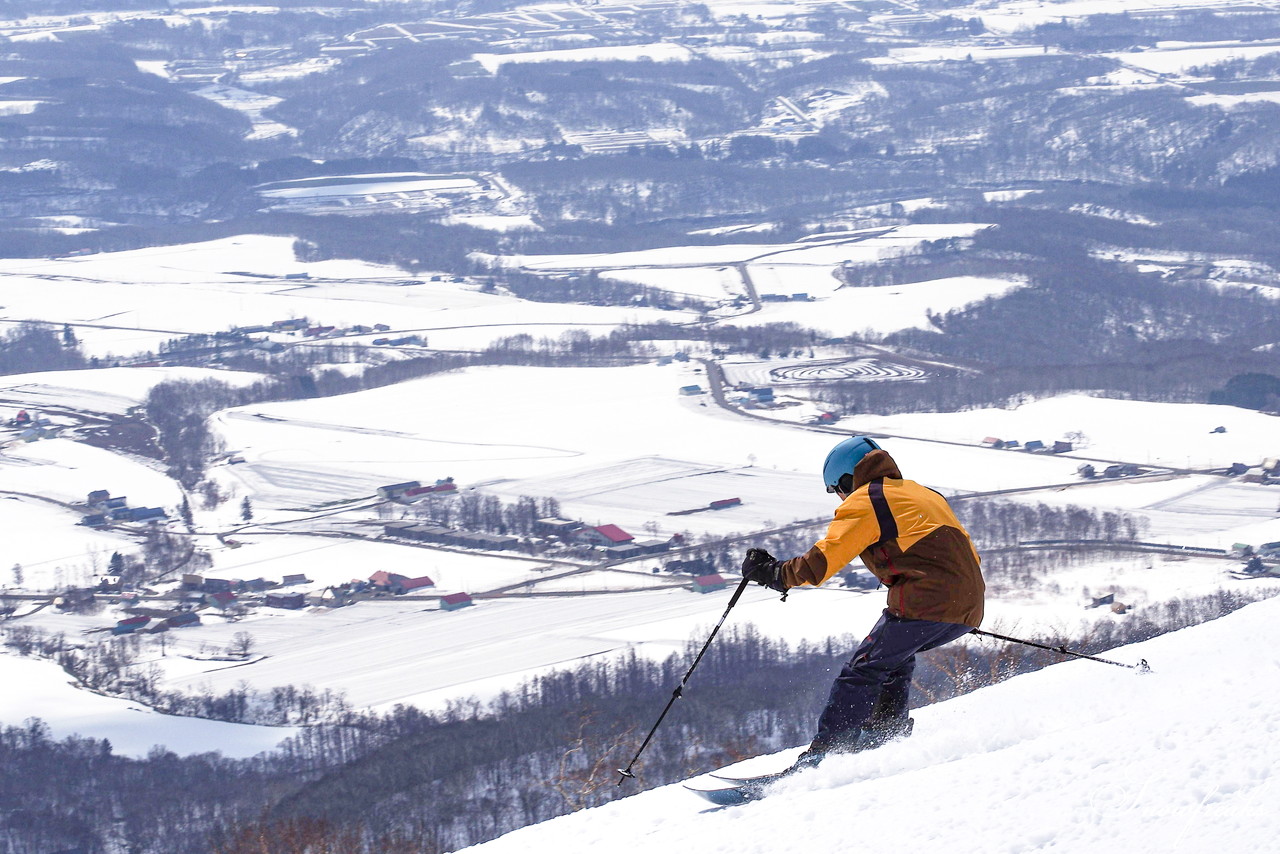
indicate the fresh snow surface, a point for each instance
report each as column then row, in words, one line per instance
column 1078, row 757
column 133, row 730
column 108, row 391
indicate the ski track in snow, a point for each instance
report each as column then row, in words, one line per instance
column 1080, row 757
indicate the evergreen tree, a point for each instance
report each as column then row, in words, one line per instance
column 246, row 509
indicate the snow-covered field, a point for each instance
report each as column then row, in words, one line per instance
column 108, row 391
column 126, row 302
column 404, row 432
column 44, row 562
column 67, row 471
column 806, row 267
column 1161, row 434
column 1076, row 757
column 133, row 730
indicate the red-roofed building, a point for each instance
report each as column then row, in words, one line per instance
column 454, row 601
column 393, row 582
column 709, row 583
column 604, row 535
column 223, row 600
column 408, row 585
column 382, row 579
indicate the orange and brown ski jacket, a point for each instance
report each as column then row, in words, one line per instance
column 909, row 537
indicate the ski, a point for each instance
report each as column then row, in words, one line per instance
column 739, row 789
column 758, row 779
column 729, row 796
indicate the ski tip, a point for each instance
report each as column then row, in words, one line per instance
column 727, row 796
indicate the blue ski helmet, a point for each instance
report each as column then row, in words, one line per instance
column 844, row 457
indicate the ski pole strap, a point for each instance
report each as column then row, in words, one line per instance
column 1141, row 666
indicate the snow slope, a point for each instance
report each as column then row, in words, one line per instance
column 1079, row 757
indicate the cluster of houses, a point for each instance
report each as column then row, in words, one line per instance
column 224, row 593
column 308, row 329
column 104, row 510
column 1088, row 471
column 1267, row 472
column 611, row 540
column 32, row 428
column 753, row 396
column 1035, row 446
column 399, row 585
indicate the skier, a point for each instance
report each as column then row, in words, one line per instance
column 910, row 539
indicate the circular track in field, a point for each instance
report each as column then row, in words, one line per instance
column 864, row 370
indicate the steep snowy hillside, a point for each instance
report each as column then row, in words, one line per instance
column 1078, row 757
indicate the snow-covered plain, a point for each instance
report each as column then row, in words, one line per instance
column 132, row 301
column 410, row 432
column 47, row 693
column 1076, row 757
column 108, row 391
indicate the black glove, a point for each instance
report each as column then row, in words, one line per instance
column 764, row 569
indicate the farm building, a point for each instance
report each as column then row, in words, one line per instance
column 1035, row 446
column 94, row 520
column 993, row 442
column 555, row 527
column 97, row 497
column 449, row 537
column 762, row 395
column 1061, row 447
column 397, row 528
column 296, row 578
column 397, row 584
column 454, row 601
column 129, row 625
column 692, row 566
column 602, row 535
column 637, row 548
column 445, row 486
column 408, row 585
column 722, row 503
column 395, row 490
column 178, row 621
column 690, row 390
column 290, row 601
column 223, row 600
column 709, row 583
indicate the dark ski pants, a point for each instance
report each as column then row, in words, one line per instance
column 872, row 689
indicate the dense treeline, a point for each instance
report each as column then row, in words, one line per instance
column 32, row 347
column 422, row 783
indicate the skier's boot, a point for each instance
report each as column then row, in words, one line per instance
column 880, row 733
column 866, row 738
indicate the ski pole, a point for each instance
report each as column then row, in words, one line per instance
column 675, row 695
column 1141, row 666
